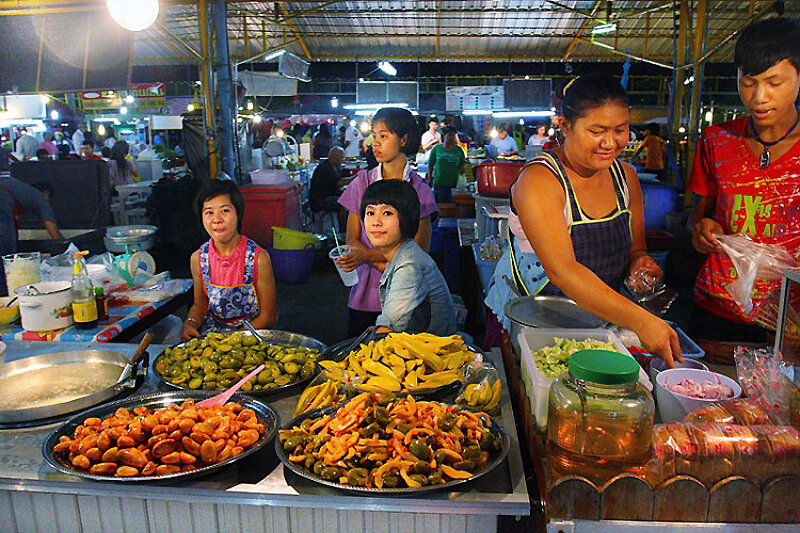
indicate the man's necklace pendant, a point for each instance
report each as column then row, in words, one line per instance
column 764, row 159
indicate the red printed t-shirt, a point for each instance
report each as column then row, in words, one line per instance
column 763, row 203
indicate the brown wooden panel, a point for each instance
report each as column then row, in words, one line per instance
column 780, row 500
column 681, row 499
column 734, row 499
column 573, row 497
column 626, row 497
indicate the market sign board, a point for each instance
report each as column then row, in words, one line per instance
column 146, row 96
column 475, row 97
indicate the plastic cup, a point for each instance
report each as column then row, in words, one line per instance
column 348, row 278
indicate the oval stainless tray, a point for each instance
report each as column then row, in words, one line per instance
column 496, row 429
column 265, row 413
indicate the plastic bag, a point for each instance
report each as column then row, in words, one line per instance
column 712, row 452
column 324, row 390
column 761, row 376
column 755, row 262
column 650, row 293
column 481, row 389
column 100, row 268
column 741, row 412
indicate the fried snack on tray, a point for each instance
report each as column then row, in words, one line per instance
column 163, row 441
column 379, row 440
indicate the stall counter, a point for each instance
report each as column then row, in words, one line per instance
column 255, row 494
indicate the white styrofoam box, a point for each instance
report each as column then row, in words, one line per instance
column 537, row 385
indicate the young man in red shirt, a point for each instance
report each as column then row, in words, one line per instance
column 746, row 176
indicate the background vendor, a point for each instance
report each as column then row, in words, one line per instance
column 503, row 145
column 580, row 229
column 746, row 176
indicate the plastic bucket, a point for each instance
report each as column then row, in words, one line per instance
column 292, row 266
column 291, row 239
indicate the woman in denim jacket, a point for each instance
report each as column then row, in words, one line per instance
column 414, row 295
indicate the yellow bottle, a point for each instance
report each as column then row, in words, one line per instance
column 84, row 306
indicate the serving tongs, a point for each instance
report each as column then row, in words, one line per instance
column 254, row 331
column 130, row 366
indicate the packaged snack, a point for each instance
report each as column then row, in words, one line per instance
column 742, row 412
column 481, row 389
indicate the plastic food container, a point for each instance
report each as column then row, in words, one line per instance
column 537, row 385
column 599, row 414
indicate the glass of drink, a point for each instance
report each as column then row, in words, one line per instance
column 22, row 269
column 348, row 278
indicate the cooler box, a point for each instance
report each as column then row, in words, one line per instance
column 270, row 205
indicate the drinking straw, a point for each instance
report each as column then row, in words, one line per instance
column 335, row 237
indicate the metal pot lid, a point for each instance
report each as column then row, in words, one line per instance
column 43, row 288
column 550, row 312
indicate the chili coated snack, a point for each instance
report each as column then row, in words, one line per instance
column 172, row 439
column 379, row 440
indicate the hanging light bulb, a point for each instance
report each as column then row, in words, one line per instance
column 493, row 133
column 364, row 127
column 249, row 106
column 256, row 118
column 133, row 15
column 54, row 115
column 123, row 110
column 129, row 99
column 190, row 108
column 101, row 130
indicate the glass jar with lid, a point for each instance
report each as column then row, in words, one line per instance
column 599, row 415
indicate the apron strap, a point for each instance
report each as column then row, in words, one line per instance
column 250, row 258
column 618, row 175
column 516, row 275
column 205, row 271
column 561, row 173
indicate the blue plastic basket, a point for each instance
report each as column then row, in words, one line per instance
column 689, row 348
column 292, row 266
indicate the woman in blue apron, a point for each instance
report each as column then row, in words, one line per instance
column 579, row 220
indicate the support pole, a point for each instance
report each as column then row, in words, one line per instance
column 698, row 49
column 224, row 87
column 205, row 80
column 680, row 74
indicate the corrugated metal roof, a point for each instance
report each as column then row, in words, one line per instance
column 501, row 30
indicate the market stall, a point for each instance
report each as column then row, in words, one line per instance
column 257, row 493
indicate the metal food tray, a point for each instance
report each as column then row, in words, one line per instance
column 276, row 337
column 265, row 413
column 496, row 429
column 335, row 352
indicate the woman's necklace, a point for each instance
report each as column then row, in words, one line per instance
column 764, row 160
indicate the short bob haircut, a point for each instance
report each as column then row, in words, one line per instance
column 399, row 194
column 403, row 124
column 590, row 91
column 221, row 187
column 766, row 43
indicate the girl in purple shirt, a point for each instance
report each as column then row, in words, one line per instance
column 396, row 136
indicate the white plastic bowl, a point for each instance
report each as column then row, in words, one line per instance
column 673, row 407
column 657, row 365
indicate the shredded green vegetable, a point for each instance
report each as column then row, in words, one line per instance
column 554, row 360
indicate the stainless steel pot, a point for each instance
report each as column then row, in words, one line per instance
column 55, row 384
column 546, row 312
column 45, row 306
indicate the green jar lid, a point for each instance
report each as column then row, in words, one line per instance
column 604, row 367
